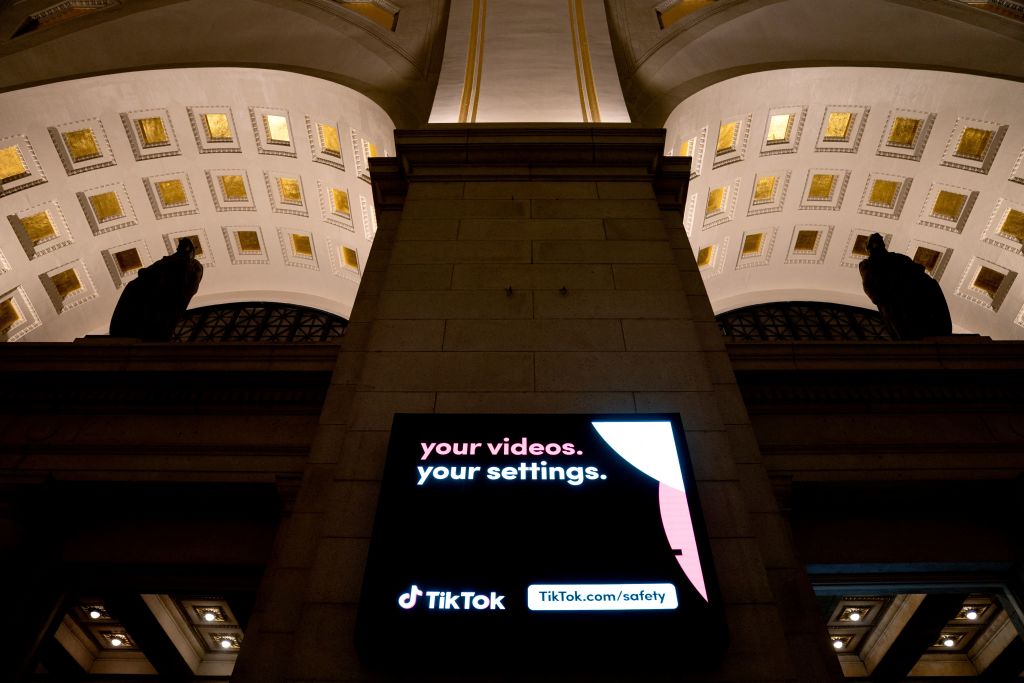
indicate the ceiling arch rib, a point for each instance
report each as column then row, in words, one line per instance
column 397, row 69
column 660, row 68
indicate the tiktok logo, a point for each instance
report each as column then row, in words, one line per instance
column 452, row 600
column 408, row 600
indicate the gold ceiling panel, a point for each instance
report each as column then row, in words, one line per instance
column 277, row 128
column 234, row 187
column 752, row 243
column 821, row 186
column 248, row 240
column 290, row 190
column 11, row 163
column 350, row 258
column 764, row 189
column 929, row 258
column 727, row 137
column 716, row 200
column 128, row 260
column 949, row 205
column 860, row 246
column 152, row 131
column 704, row 256
column 988, row 280
column 172, row 192
column 973, row 143
column 778, row 128
column 806, row 240
column 329, row 137
column 9, row 315
column 302, row 245
column 838, row 126
column 66, row 282
column 38, row 227
column 1013, row 224
column 339, row 200
column 883, row 192
column 903, row 131
column 81, row 144
column 106, row 206
column 684, row 149
column 218, row 128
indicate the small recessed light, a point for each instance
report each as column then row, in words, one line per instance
column 95, row 614
column 116, row 642
column 225, row 644
column 837, row 644
column 854, row 616
column 949, row 642
column 209, row 616
column 972, row 615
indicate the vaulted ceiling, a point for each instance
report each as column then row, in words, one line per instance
column 679, row 64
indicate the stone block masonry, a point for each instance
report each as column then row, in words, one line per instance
column 517, row 278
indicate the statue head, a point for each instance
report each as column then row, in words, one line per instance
column 876, row 244
column 186, row 247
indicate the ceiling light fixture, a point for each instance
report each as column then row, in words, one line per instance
column 116, row 642
column 854, row 616
column 209, row 616
column 95, row 614
column 837, row 644
column 226, row 644
column 972, row 615
column 949, row 642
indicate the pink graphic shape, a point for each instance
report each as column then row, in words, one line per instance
column 675, row 518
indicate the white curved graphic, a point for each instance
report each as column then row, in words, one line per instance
column 651, row 448
column 648, row 446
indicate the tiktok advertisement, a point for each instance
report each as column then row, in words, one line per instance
column 522, row 541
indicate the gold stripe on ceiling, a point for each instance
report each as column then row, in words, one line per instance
column 576, row 61
column 584, row 69
column 588, row 71
column 474, row 63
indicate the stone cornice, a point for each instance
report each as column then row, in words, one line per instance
column 489, row 152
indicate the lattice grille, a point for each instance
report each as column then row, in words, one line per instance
column 258, row 322
column 802, row 320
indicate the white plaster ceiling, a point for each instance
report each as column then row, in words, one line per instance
column 945, row 103
column 34, row 120
column 528, row 61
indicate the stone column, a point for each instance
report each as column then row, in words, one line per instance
column 533, row 270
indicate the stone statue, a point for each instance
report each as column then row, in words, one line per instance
column 910, row 301
column 151, row 304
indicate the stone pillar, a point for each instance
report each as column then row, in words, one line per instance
column 533, row 270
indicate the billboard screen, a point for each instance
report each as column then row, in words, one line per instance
column 522, row 541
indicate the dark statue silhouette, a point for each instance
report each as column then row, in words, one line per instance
column 910, row 301
column 151, row 304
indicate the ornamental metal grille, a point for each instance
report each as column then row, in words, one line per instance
column 258, row 322
column 803, row 321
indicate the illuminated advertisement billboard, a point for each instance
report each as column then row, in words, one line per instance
column 523, row 541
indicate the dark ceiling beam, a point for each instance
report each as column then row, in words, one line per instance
column 920, row 633
column 1008, row 665
column 147, row 633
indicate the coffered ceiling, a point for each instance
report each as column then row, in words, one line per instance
column 107, row 103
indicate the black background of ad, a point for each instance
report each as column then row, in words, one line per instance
column 501, row 536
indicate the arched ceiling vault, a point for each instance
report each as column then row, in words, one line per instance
column 659, row 68
column 397, row 69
